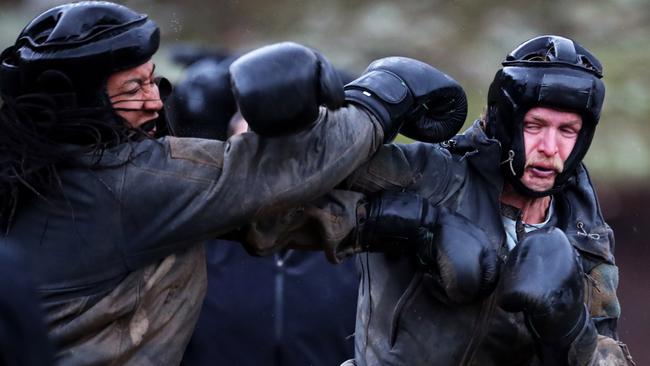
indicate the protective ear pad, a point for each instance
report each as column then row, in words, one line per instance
column 165, row 87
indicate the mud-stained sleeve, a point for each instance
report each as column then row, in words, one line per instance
column 604, row 308
column 262, row 176
column 610, row 352
column 389, row 169
column 176, row 191
column 418, row 167
column 328, row 223
column 325, row 224
column 600, row 296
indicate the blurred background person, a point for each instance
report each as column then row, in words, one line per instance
column 292, row 308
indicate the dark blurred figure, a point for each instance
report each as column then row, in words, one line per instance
column 202, row 103
column 185, row 54
column 293, row 308
column 23, row 340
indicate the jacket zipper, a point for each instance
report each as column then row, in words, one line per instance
column 280, row 259
column 487, row 309
column 485, row 314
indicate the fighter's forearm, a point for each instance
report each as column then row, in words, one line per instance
column 324, row 224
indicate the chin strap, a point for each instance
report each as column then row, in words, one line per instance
column 507, row 166
column 509, row 161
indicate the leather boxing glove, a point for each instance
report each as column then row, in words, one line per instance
column 410, row 97
column 450, row 246
column 460, row 258
column 394, row 221
column 280, row 87
column 543, row 277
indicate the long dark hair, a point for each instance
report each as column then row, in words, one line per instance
column 39, row 134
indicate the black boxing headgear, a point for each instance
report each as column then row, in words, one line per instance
column 549, row 71
column 85, row 41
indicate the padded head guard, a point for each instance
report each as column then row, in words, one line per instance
column 85, row 41
column 549, row 71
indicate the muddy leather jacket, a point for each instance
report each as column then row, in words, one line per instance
column 402, row 316
column 116, row 258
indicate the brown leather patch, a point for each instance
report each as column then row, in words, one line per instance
column 201, row 151
column 601, row 299
column 612, row 353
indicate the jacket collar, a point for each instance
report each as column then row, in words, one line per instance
column 580, row 217
column 481, row 152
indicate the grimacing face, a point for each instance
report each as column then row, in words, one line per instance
column 134, row 95
column 549, row 137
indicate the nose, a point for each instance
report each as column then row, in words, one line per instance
column 548, row 144
column 152, row 98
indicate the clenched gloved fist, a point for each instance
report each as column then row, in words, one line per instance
column 410, row 97
column 395, row 221
column 460, row 256
column 280, row 87
column 543, row 277
column 451, row 247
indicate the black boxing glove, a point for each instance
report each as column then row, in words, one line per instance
column 450, row 246
column 394, row 221
column 543, row 277
column 460, row 258
column 280, row 87
column 410, row 97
